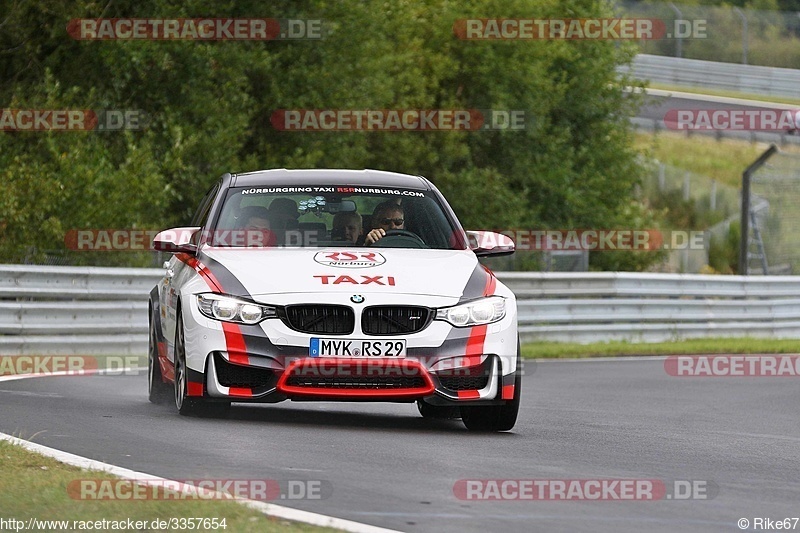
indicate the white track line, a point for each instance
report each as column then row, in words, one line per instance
column 598, row 359
column 93, row 372
column 268, row 509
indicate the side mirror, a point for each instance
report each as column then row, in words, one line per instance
column 489, row 243
column 176, row 240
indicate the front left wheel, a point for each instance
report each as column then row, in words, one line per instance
column 496, row 417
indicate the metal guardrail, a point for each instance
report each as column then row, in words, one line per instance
column 749, row 79
column 74, row 310
column 640, row 307
column 81, row 283
column 647, row 285
column 89, row 311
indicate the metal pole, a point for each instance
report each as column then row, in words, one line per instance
column 679, row 44
column 686, row 186
column 745, row 222
column 744, row 34
column 745, row 215
column 713, row 201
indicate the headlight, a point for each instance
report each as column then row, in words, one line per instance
column 483, row 311
column 231, row 309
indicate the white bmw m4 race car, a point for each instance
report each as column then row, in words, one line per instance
column 334, row 285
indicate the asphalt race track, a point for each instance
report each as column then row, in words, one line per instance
column 655, row 106
column 389, row 467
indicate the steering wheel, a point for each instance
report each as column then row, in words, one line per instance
column 401, row 238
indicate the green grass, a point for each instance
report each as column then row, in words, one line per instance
column 723, row 160
column 35, row 486
column 729, row 94
column 558, row 350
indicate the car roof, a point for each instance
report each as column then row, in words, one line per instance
column 358, row 178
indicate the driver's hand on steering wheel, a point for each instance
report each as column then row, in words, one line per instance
column 374, row 236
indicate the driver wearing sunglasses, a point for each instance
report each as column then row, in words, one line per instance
column 387, row 216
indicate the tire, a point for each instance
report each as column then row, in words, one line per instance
column 496, row 417
column 437, row 412
column 158, row 392
column 191, row 406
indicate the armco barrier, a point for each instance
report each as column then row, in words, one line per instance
column 74, row 310
column 748, row 79
column 602, row 306
column 79, row 310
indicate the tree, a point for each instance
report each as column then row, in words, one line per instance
column 210, row 106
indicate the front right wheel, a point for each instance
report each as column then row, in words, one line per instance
column 191, row 406
column 439, row 412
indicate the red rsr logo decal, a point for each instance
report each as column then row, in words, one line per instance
column 349, row 256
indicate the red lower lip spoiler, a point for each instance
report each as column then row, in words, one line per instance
column 356, row 370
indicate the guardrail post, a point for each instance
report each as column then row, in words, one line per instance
column 713, row 202
column 686, row 186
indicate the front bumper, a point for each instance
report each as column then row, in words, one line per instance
column 352, row 379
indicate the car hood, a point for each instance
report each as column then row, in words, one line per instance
column 260, row 271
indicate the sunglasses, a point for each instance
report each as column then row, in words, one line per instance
column 395, row 221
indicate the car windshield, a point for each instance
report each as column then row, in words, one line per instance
column 322, row 216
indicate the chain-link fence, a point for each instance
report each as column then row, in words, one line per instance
column 721, row 33
column 690, row 201
column 774, row 218
column 713, row 201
